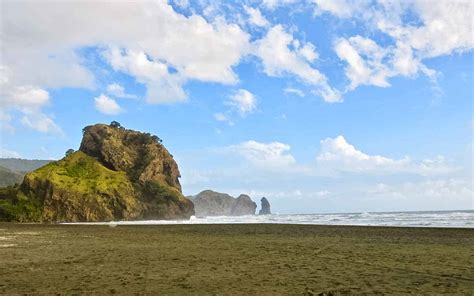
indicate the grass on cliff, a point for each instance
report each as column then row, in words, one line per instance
column 81, row 173
column 16, row 206
column 77, row 173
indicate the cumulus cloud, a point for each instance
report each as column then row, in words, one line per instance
column 291, row 90
column 255, row 17
column 29, row 101
column 223, row 118
column 448, row 190
column 243, row 101
column 118, row 91
column 364, row 59
column 344, row 156
column 337, row 154
column 340, row 8
column 68, row 26
column 282, row 54
column 273, row 4
column 162, row 86
column 107, row 105
column 270, row 155
column 444, row 27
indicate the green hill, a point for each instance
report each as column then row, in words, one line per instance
column 118, row 174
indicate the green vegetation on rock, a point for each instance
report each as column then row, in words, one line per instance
column 118, row 174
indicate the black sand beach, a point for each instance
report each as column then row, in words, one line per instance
column 234, row 259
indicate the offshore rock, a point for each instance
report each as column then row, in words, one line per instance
column 265, row 210
column 211, row 203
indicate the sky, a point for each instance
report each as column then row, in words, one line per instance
column 321, row 106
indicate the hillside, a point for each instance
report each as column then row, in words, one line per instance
column 22, row 165
column 9, row 177
column 12, row 170
column 118, row 174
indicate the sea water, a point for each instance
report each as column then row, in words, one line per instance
column 461, row 218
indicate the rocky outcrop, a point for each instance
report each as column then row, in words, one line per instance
column 243, row 206
column 265, row 210
column 118, row 174
column 211, row 203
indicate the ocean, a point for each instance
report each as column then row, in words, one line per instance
column 461, row 218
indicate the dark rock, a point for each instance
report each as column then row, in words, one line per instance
column 211, row 203
column 243, row 206
column 265, row 210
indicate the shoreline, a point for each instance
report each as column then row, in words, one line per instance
column 234, row 259
column 137, row 223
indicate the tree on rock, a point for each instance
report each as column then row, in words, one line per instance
column 115, row 124
column 69, row 152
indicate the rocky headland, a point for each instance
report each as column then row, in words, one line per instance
column 117, row 174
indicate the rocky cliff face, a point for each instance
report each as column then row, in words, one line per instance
column 265, row 210
column 211, row 203
column 117, row 174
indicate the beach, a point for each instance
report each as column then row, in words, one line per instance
column 238, row 259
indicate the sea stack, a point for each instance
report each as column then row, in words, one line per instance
column 265, row 210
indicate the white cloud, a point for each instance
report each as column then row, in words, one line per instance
column 223, row 118
column 182, row 3
column 29, row 97
column 448, row 190
column 273, row 4
column 279, row 59
column 447, row 27
column 344, row 156
column 5, row 153
column 443, row 27
column 47, row 58
column 340, row 8
column 255, row 17
column 290, row 90
column 364, row 58
column 337, row 154
column 40, row 122
column 244, row 101
column 265, row 155
column 29, row 101
column 118, row 91
column 162, row 86
column 106, row 105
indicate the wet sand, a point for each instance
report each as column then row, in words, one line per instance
column 249, row 259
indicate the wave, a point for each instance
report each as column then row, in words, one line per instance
column 405, row 219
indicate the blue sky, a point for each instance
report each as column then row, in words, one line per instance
column 322, row 106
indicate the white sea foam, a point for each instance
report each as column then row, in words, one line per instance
column 406, row 219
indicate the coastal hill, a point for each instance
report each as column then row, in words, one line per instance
column 211, row 203
column 117, row 174
column 12, row 170
column 9, row 177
